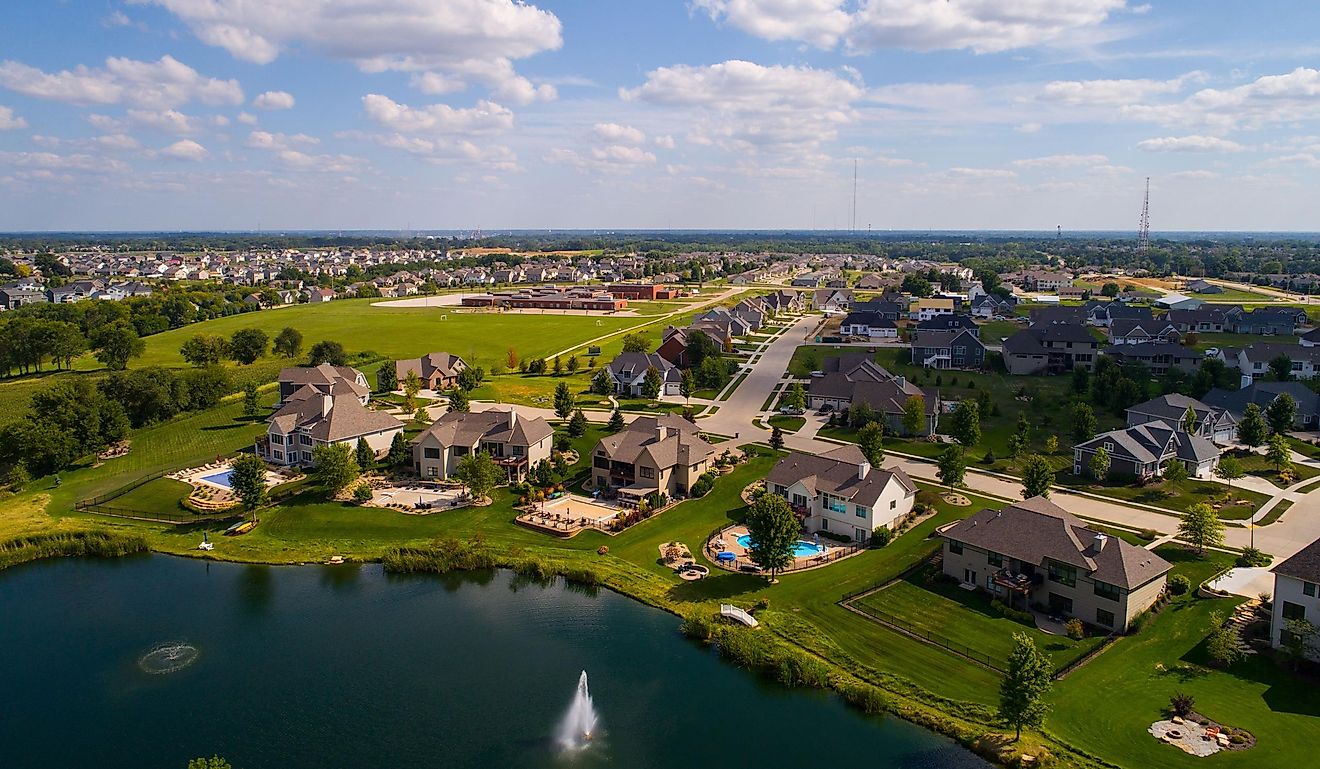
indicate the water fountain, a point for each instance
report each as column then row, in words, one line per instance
column 577, row 729
column 169, row 657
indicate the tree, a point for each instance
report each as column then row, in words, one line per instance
column 288, row 343
column 564, row 400
column 248, row 344
column 458, row 400
column 1083, row 422
column 1280, row 413
column 1036, row 477
column 511, row 359
column 204, row 350
column 1252, row 429
column 1201, row 528
column 776, row 438
column 470, row 378
column 796, row 397
column 387, row 377
column 1230, row 468
column 327, row 351
column 1109, row 289
column 479, row 473
column 870, row 439
column 601, row 384
column 652, row 383
column 400, row 452
column 558, row 366
column 916, row 285
column 616, row 421
column 967, row 423
column 1174, row 471
column 952, row 466
column 860, row 415
column 1051, row 444
column 1099, row 464
column 251, row 400
column 116, row 345
column 577, row 425
column 773, row 529
column 1023, row 429
column 335, row 467
column 635, row 343
column 914, row 415
column 214, row 762
column 412, row 384
column 1026, row 682
column 248, row 480
column 573, row 364
column 699, row 347
column 1223, row 646
column 364, row 454
column 1281, row 367
column 1279, row 453
column 687, row 385
column 1189, row 421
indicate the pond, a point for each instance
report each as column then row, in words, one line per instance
column 150, row 661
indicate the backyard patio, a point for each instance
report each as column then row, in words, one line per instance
column 569, row 514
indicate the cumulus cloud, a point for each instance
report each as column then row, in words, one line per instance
column 457, row 40
column 612, row 158
column 613, row 132
column 749, row 106
column 264, row 140
column 982, row 26
column 484, row 118
column 301, row 161
column 1114, row 92
column 167, row 121
column 1189, row 144
column 1267, row 100
column 247, row 118
column 442, row 150
column 161, row 84
column 273, row 100
column 52, row 161
column 185, row 149
column 9, row 121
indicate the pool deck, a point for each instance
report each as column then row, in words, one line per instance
column 568, row 515
column 727, row 541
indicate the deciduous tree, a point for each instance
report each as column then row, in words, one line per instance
column 773, row 529
column 1201, row 528
column 248, row 480
column 335, row 467
column 1281, row 412
column 952, row 466
column 1252, row 430
column 967, row 423
column 288, row 343
column 248, row 344
column 479, row 473
column 870, row 439
column 1026, row 683
column 1036, row 477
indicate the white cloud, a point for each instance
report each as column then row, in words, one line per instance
column 1114, row 92
column 459, row 41
column 982, row 26
column 1028, row 128
column 610, row 159
column 273, row 100
column 54, row 161
column 484, row 118
column 301, row 161
column 247, row 118
column 665, row 142
column 1062, row 161
column 185, row 149
column 116, row 142
column 153, row 85
column 613, row 132
column 1189, row 144
column 9, row 121
column 748, row 106
column 1296, row 160
column 167, row 121
column 1271, row 99
column 264, row 140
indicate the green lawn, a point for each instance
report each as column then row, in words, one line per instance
column 1275, row 512
column 995, row 331
column 788, row 424
column 159, row 495
column 933, row 608
column 1304, row 448
column 1206, row 341
column 1175, row 497
column 1257, row 465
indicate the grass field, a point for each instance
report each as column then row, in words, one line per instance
column 788, row 424
column 1257, row 465
column 1175, row 497
column 1220, row 341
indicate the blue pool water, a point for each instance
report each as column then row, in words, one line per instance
column 800, row 550
column 219, row 479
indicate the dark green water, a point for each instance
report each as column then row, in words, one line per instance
column 325, row 667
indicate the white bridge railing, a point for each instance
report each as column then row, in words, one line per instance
column 733, row 612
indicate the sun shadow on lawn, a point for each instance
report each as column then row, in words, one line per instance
column 717, row 586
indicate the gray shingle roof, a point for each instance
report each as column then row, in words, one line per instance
column 1304, row 564
column 836, row 472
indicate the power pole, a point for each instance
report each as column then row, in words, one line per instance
column 1143, row 231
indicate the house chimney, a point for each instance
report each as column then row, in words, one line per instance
column 513, row 417
column 327, row 402
column 863, row 468
column 1099, row 542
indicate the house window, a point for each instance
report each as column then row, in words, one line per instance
column 861, row 511
column 955, row 547
column 461, row 451
column 836, row 505
column 277, row 439
column 893, row 504
column 600, row 463
column 430, row 453
column 306, row 456
column 305, row 440
column 1308, row 589
column 799, row 500
column 1104, row 617
column 646, row 472
column 1063, row 574
column 277, row 456
column 1293, row 610
column 518, row 451
column 994, row 559
column 1106, row 590
column 1109, row 446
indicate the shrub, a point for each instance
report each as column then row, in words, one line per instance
column 881, row 536
column 1025, row 617
column 1182, row 705
column 1074, row 629
column 1252, row 557
column 362, row 493
column 603, row 550
column 703, row 485
column 1179, row 584
column 762, row 604
column 1150, row 535
column 989, row 457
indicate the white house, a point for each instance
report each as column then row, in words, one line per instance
column 1297, row 594
column 871, row 325
column 839, row 492
column 628, row 372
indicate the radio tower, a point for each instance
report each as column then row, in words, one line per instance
column 1143, row 230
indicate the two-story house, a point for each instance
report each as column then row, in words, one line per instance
column 436, row 370
column 1214, row 424
column 516, row 443
column 1297, row 596
column 331, row 380
column 870, row 325
column 1132, row 331
column 311, row 417
column 841, row 493
column 663, row 453
column 1050, row 348
column 947, row 349
column 1141, row 452
column 629, row 369
column 1157, row 357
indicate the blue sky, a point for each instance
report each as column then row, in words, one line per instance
column 466, row 114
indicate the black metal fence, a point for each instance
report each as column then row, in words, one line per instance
column 175, row 517
column 897, row 623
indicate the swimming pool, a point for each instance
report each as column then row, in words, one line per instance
column 800, row 550
column 219, row 479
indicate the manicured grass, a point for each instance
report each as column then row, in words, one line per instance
column 1175, row 497
column 1232, row 295
column 787, row 423
column 1206, row 341
column 995, row 331
column 1275, row 512
column 1257, row 465
column 932, row 607
column 159, row 495
column 1303, row 447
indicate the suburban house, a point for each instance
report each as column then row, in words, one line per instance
column 1213, row 424
column 1269, row 322
column 947, row 349
column 1140, row 452
column 840, row 493
column 330, row 380
column 1041, row 280
column 925, row 309
column 437, row 370
column 1297, row 595
column 319, row 295
column 1159, row 357
column 673, row 346
column 887, row 308
column 1133, row 331
column 1178, row 302
column 1049, row 348
column 516, row 443
column 855, row 379
column 628, row 372
column 1263, row 394
column 1253, row 361
column 312, row 417
column 1310, row 338
column 1035, row 553
column 868, row 324
column 993, row 306
column 664, row 454
column 1103, row 313
column 952, row 322
column 830, row 301
column 1061, row 315
column 1199, row 286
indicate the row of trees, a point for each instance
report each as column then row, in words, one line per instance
column 27, row 343
column 244, row 346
